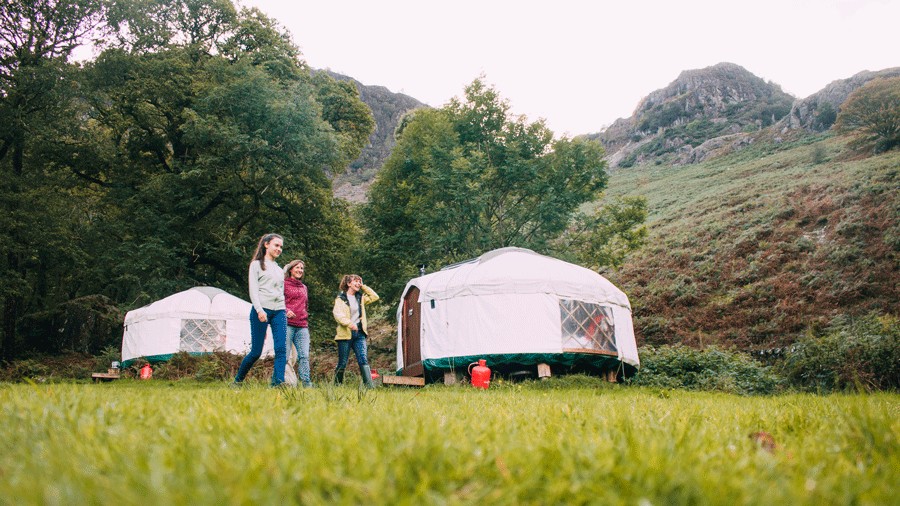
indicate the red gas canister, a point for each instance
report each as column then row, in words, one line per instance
column 481, row 374
column 146, row 372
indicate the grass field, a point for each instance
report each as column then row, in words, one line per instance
column 572, row 440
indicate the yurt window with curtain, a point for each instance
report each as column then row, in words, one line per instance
column 587, row 327
column 202, row 335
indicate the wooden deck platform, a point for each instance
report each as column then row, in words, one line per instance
column 403, row 380
column 105, row 376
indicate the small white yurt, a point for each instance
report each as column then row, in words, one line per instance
column 516, row 309
column 199, row 320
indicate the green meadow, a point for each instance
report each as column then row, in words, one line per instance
column 572, row 440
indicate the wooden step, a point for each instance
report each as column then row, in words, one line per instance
column 105, row 376
column 403, row 380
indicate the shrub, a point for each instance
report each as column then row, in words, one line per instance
column 710, row 369
column 851, row 354
column 25, row 370
column 106, row 357
column 211, row 368
column 872, row 114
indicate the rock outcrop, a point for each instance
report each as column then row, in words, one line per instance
column 388, row 108
column 817, row 112
column 675, row 123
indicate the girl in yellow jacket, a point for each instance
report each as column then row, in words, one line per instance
column 350, row 314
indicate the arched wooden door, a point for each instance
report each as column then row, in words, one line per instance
column 412, row 338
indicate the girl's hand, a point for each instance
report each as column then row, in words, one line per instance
column 290, row 314
column 353, row 326
column 262, row 316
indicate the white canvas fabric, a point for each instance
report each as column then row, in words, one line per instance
column 189, row 321
column 470, row 325
column 519, row 270
column 508, row 301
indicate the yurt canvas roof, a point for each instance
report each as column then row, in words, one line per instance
column 519, row 270
column 199, row 320
column 197, row 302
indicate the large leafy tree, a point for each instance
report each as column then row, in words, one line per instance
column 198, row 147
column 872, row 115
column 470, row 177
column 37, row 38
column 157, row 166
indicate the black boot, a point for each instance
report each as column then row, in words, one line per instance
column 338, row 376
column 366, row 372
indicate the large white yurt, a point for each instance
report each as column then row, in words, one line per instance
column 516, row 309
column 199, row 320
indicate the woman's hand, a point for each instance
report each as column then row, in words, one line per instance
column 262, row 316
column 290, row 314
column 353, row 326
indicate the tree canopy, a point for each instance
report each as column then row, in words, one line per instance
column 872, row 114
column 471, row 177
column 156, row 166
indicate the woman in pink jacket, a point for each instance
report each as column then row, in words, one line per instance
column 296, row 299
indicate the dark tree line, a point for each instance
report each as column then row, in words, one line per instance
column 155, row 166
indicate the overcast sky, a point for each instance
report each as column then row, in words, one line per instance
column 580, row 65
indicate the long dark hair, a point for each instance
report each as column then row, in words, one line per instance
column 260, row 253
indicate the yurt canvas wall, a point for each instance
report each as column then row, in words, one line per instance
column 198, row 320
column 513, row 306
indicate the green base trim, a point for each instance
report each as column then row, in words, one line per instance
column 153, row 359
column 511, row 361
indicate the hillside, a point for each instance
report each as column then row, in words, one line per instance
column 387, row 108
column 755, row 248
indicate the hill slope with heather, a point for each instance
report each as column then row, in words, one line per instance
column 755, row 248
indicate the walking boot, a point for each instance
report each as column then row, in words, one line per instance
column 338, row 376
column 367, row 376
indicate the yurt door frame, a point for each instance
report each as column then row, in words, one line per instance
column 412, row 338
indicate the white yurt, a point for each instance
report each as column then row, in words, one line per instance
column 199, row 320
column 516, row 309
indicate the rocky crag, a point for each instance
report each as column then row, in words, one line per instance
column 387, row 108
column 713, row 111
column 817, row 112
column 701, row 112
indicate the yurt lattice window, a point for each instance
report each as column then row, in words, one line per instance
column 587, row 327
column 202, row 335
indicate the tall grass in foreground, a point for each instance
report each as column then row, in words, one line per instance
column 576, row 442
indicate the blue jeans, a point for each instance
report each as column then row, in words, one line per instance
column 358, row 342
column 278, row 320
column 299, row 337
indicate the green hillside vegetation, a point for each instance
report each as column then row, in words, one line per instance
column 574, row 442
column 756, row 248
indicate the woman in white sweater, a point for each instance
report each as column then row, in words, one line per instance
column 266, row 280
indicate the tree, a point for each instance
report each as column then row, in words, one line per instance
column 872, row 115
column 151, row 25
column 606, row 237
column 157, row 166
column 193, row 155
column 470, row 177
column 36, row 92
